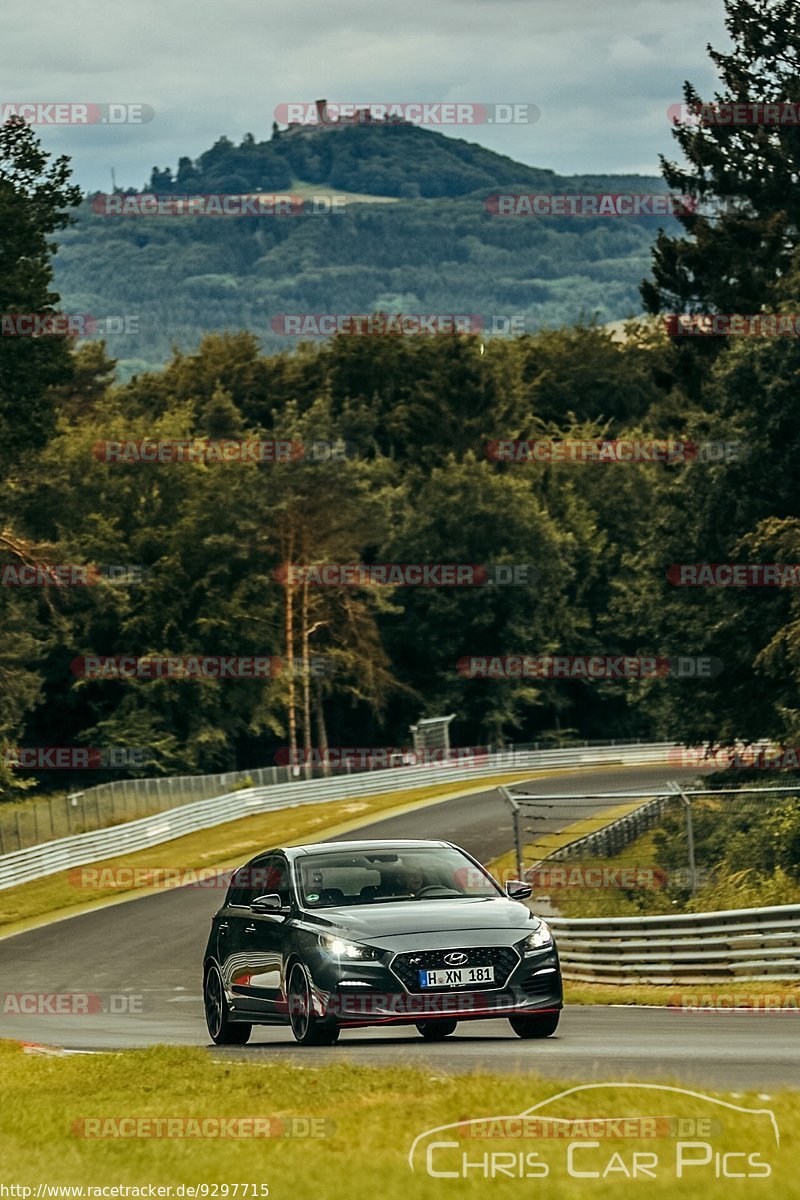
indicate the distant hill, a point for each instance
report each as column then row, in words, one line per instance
column 435, row 249
column 382, row 160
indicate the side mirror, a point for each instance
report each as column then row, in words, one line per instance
column 267, row 904
column 517, row 890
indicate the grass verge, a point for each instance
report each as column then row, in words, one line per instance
column 721, row 993
column 369, row 1118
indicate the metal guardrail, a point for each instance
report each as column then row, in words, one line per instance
column 738, row 944
column 48, row 857
column 48, row 817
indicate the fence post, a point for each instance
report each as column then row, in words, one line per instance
column 687, row 804
column 517, row 841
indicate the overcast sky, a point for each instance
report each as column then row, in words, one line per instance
column 602, row 72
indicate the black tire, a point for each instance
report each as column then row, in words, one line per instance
column 307, row 1027
column 540, row 1025
column 223, row 1030
column 436, row 1031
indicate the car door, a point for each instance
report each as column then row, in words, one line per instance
column 232, row 939
column 262, row 941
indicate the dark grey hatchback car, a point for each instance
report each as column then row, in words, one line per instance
column 344, row 934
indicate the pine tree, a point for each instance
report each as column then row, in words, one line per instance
column 741, row 236
column 34, row 197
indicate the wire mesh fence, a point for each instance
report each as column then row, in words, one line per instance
column 627, row 853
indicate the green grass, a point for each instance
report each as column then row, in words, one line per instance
column 225, row 845
column 371, row 1119
column 679, row 994
column 633, row 901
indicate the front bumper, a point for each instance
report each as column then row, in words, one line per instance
column 373, row 993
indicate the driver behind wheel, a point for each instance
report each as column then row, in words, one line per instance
column 401, row 881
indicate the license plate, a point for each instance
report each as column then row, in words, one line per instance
column 456, row 976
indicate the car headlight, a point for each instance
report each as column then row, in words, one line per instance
column 344, row 949
column 540, row 938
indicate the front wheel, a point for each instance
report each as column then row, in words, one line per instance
column 307, row 1027
column 541, row 1025
column 223, row 1031
column 436, row 1031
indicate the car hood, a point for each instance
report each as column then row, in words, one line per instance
column 374, row 922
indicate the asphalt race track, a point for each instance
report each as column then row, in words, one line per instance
column 143, row 960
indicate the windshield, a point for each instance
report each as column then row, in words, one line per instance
column 383, row 876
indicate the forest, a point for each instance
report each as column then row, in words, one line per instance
column 194, row 556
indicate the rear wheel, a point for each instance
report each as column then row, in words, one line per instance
column 540, row 1025
column 436, row 1031
column 223, row 1031
column 307, row 1027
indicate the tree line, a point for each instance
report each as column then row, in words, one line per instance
column 416, row 485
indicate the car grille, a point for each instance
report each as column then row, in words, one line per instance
column 408, row 966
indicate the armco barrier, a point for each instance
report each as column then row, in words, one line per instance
column 740, row 944
column 48, row 816
column 21, row 866
column 611, row 838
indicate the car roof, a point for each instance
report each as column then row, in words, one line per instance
column 355, row 847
